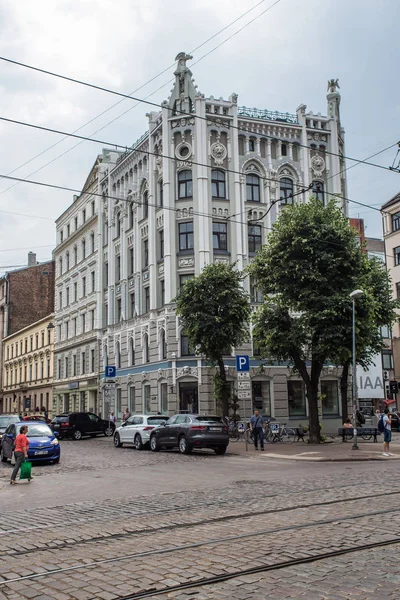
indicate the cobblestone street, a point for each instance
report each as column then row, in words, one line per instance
column 115, row 524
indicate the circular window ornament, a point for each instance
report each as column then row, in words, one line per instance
column 183, row 151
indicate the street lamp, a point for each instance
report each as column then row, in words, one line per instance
column 354, row 295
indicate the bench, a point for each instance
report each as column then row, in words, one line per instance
column 366, row 433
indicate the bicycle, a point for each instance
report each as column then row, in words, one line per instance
column 283, row 434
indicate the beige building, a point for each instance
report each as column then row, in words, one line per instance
column 28, row 368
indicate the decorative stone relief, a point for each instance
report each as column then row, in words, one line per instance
column 219, row 153
column 221, row 260
column 317, row 165
column 182, row 371
column 183, row 151
column 186, row 262
column 184, row 213
column 182, row 122
column 144, row 231
column 130, row 240
column 131, row 284
column 221, row 212
column 318, row 137
column 161, row 269
column 146, row 276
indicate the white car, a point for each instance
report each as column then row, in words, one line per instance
column 136, row 430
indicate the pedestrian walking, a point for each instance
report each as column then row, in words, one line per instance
column 20, row 452
column 112, row 417
column 257, row 429
column 126, row 414
column 387, row 432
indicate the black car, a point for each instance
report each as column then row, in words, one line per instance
column 187, row 432
column 78, row 424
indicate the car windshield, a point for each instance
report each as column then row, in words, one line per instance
column 6, row 421
column 156, row 420
column 206, row 419
column 39, row 430
column 60, row 420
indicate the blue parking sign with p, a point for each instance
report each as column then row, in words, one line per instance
column 110, row 371
column 242, row 363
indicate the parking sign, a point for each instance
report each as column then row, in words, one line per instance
column 110, row 371
column 242, row 363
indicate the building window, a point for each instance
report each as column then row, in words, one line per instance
column 163, row 345
column 105, row 315
column 387, row 360
column 146, row 353
column 253, row 188
column 60, row 263
column 160, row 194
column 286, row 190
column 84, row 215
column 61, row 237
column 283, row 150
column 83, row 323
column 131, row 263
column 186, row 236
column 59, row 372
column 105, row 273
column 75, row 255
column 318, row 190
column 93, row 280
column 130, row 217
column 92, row 242
column 163, row 398
column 119, row 310
column 161, row 243
column 186, row 350
column 73, row 365
column 75, row 291
column 117, row 225
column 398, row 289
column 396, row 255
column 83, row 361
column 220, row 237
column 146, row 399
column 93, row 207
column 48, row 368
column 76, row 223
column 68, row 230
column 184, row 278
column 396, row 222
column 131, row 399
column 132, row 310
column 297, row 399
column 60, row 300
column 162, row 292
column 146, row 293
column 83, row 249
column 66, row 330
column 66, row 366
column 118, row 268
column 145, row 254
column 118, row 355
column 330, row 398
column 251, row 145
column 255, row 292
column 255, row 238
column 67, row 261
column 218, row 188
column 92, row 319
column 37, row 340
column 145, row 205
column 83, row 287
column 131, row 351
column 185, row 184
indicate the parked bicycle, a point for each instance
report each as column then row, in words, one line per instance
column 274, row 432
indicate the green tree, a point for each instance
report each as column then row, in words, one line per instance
column 374, row 310
column 306, row 270
column 214, row 311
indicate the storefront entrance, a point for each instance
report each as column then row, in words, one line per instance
column 188, row 398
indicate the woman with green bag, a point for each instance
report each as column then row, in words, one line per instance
column 21, row 454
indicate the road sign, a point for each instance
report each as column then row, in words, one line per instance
column 244, row 375
column 244, row 384
column 110, row 371
column 243, row 363
column 244, row 394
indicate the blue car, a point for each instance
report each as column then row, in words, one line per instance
column 43, row 443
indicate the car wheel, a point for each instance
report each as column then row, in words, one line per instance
column 3, row 458
column 138, row 442
column 184, row 447
column 109, row 431
column 77, row 435
column 117, row 441
column 154, row 444
column 220, row 450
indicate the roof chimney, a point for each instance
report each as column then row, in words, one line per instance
column 32, row 259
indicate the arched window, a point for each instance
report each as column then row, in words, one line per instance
column 146, row 354
column 131, row 352
column 163, row 345
column 318, row 190
column 218, row 188
column 145, row 205
column 253, row 188
column 185, row 184
column 286, row 190
column 118, row 355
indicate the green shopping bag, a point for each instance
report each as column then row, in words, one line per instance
column 26, row 470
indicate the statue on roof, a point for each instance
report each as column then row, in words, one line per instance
column 333, row 84
column 182, row 57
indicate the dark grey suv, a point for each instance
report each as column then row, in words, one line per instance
column 188, row 432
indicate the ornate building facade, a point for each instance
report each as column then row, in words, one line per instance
column 202, row 185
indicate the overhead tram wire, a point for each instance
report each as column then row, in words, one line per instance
column 136, row 90
column 208, row 119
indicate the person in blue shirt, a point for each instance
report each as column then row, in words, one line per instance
column 257, row 429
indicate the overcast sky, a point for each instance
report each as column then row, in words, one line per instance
column 282, row 59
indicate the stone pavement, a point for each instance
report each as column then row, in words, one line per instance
column 332, row 451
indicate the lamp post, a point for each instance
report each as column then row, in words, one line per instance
column 354, row 295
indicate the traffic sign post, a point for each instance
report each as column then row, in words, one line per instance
column 244, row 383
column 109, row 390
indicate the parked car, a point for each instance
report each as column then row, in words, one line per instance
column 187, row 432
column 5, row 421
column 78, row 424
column 41, row 418
column 43, row 446
column 136, row 430
column 395, row 421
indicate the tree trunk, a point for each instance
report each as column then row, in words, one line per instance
column 224, row 389
column 311, row 382
column 344, row 388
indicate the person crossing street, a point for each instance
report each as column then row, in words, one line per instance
column 257, row 429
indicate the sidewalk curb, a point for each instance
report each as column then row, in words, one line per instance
column 327, row 459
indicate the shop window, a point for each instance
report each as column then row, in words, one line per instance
column 330, row 398
column 297, row 399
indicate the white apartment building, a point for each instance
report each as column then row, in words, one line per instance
column 180, row 198
column 77, row 298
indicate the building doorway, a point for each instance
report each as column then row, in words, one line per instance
column 188, row 398
column 261, row 396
